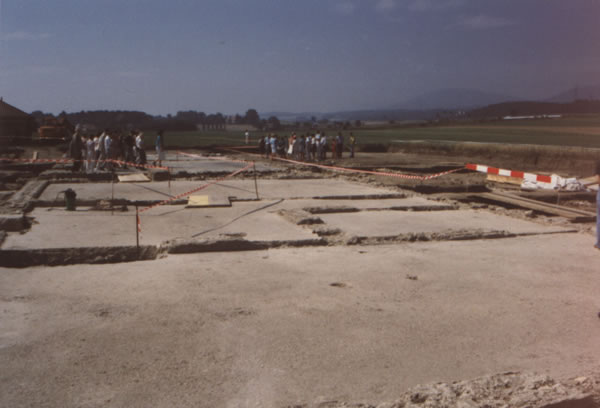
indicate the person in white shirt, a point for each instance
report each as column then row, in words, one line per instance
column 247, row 136
column 90, row 155
column 96, row 151
column 308, row 147
column 139, row 148
column 101, row 150
column 109, row 151
column 323, row 147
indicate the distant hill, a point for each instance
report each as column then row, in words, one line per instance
column 453, row 98
column 443, row 102
column 578, row 93
column 535, row 108
column 367, row 114
column 383, row 115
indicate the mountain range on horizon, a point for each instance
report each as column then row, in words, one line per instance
column 577, row 93
column 430, row 103
column 452, row 99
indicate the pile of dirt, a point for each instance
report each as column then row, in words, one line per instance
column 516, row 390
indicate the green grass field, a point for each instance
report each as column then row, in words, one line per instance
column 572, row 131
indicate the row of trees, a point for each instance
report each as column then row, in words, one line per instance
column 189, row 121
column 219, row 121
column 181, row 121
column 202, row 120
column 327, row 124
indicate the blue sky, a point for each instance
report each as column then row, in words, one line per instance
column 285, row 55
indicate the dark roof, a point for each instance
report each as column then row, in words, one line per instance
column 7, row 110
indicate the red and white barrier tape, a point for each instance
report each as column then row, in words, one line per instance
column 187, row 193
column 213, row 158
column 509, row 173
column 147, row 166
column 345, row 169
column 443, row 173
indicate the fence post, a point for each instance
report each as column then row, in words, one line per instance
column 255, row 182
column 112, row 187
column 137, row 231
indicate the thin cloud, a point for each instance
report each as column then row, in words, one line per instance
column 25, row 35
column 385, row 5
column 435, row 5
column 483, row 22
column 345, row 8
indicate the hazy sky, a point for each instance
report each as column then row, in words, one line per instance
column 161, row 56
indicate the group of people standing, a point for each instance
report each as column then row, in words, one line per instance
column 96, row 153
column 306, row 147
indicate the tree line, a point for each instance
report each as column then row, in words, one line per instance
column 182, row 121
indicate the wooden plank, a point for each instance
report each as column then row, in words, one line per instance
column 133, row 178
column 549, row 196
column 504, row 179
column 198, row 201
column 588, row 180
column 571, row 214
column 594, row 187
column 555, row 206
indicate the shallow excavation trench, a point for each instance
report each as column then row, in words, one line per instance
column 306, row 218
column 27, row 198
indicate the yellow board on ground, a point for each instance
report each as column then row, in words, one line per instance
column 198, row 201
column 504, row 179
column 133, row 178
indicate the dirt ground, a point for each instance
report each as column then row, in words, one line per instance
column 360, row 290
column 275, row 328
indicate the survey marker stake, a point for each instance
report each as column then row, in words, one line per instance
column 137, row 231
column 112, row 187
column 255, row 183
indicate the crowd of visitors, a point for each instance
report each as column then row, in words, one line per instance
column 95, row 153
column 306, row 147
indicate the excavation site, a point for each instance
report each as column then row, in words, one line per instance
column 300, row 204
column 222, row 278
